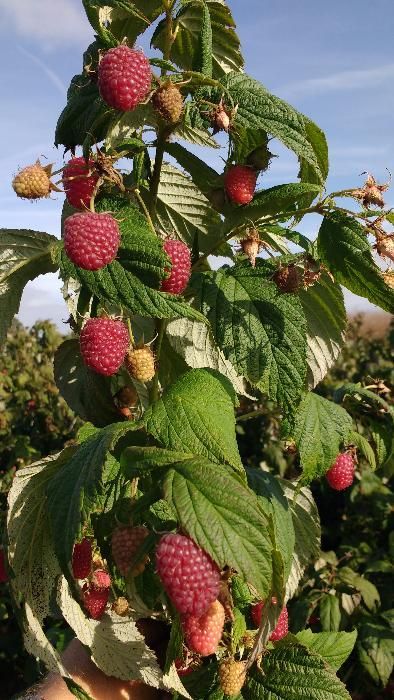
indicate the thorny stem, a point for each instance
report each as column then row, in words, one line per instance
column 144, row 208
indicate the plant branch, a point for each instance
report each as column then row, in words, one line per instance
column 252, row 414
column 160, row 326
column 144, row 208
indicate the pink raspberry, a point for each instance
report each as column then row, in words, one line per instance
column 95, row 600
column 82, row 559
column 103, row 343
column 203, row 633
column 91, row 240
column 179, row 255
column 341, row 474
column 282, row 626
column 124, row 78
column 240, row 183
column 190, row 577
column 79, row 182
column 100, row 579
column 125, row 542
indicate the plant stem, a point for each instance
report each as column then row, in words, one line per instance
column 154, row 188
column 161, row 326
column 144, row 208
column 252, row 414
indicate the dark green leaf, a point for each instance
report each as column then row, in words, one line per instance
column 24, row 255
column 321, row 429
column 375, row 649
column 343, row 247
column 224, row 517
column 261, row 331
column 196, row 414
column 334, row 647
column 85, row 114
column 203, row 176
column 330, row 614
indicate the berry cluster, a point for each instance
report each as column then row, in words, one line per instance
column 95, row 590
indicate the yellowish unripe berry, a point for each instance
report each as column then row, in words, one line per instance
column 140, row 363
column 232, row 676
column 33, row 182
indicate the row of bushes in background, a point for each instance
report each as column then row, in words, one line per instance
column 349, row 587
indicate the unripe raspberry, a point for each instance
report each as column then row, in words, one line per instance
column 250, row 246
column 240, row 183
column 103, row 343
column 121, row 606
column 125, row 543
column 385, row 245
column 100, row 579
column 188, row 574
column 282, row 626
column 91, row 240
column 203, row 633
column 168, row 102
column 140, row 363
column 82, row 559
column 232, row 676
column 179, row 255
column 341, row 474
column 288, row 278
column 124, row 78
column 94, row 601
column 260, row 158
column 79, row 182
column 33, row 182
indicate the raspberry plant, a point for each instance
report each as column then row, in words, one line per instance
column 185, row 349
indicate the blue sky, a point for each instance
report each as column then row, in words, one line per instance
column 333, row 61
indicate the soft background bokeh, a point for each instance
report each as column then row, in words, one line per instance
column 333, row 61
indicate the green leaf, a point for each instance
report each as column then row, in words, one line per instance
column 365, row 448
column 182, row 208
column 88, row 394
column 334, row 647
column 368, row 591
column 375, row 651
column 188, row 26
column 330, row 614
column 136, row 459
column 281, row 199
column 76, row 689
column 321, row 428
column 260, row 331
column 24, row 255
column 203, row 176
column 259, row 109
column 325, row 314
column 196, row 414
column 203, row 493
column 308, row 173
column 269, row 490
column 85, row 114
column 306, row 525
column 175, row 643
column 75, row 491
column 290, row 672
column 343, row 247
column 193, row 341
column 129, row 19
column 238, row 628
column 204, row 58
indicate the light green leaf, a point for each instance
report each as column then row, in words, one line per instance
column 75, row 491
column 260, row 331
column 326, row 318
column 88, row 394
column 368, row 591
column 308, row 173
column 268, row 489
column 196, row 414
column 202, row 492
column 24, row 255
column 330, row 614
column 259, row 109
column 276, row 200
column 188, row 26
column 334, row 647
column 321, row 428
column 365, row 448
column 193, row 341
column 290, row 672
column 343, row 246
column 307, row 530
column 183, row 208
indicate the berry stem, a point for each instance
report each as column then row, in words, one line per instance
column 159, row 156
column 160, row 327
column 130, row 332
column 144, row 208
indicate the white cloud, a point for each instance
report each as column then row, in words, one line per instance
column 53, row 22
column 344, row 80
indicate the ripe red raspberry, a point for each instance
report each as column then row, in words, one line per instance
column 3, row 570
column 125, row 542
column 79, row 182
column 203, row 633
column 103, row 343
column 82, row 559
column 95, row 600
column 282, row 626
column 240, row 183
column 190, row 577
column 341, row 474
column 124, row 77
column 100, row 579
column 179, row 255
column 91, row 240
